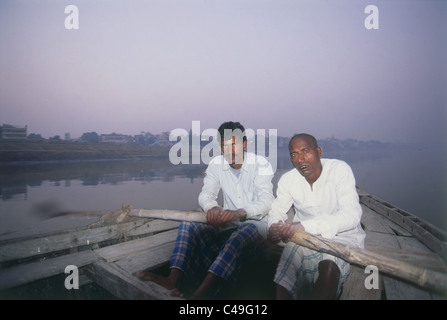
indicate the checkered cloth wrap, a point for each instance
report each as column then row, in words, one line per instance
column 297, row 269
column 200, row 248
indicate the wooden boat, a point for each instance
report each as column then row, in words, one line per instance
column 108, row 253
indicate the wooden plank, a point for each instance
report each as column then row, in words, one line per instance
column 38, row 245
column 426, row 237
column 411, row 243
column 362, row 192
column 397, row 229
column 399, row 290
column 122, row 250
column 123, row 285
column 379, row 223
column 424, row 259
column 147, row 260
column 354, row 287
column 26, row 273
column 373, row 222
column 376, row 239
column 152, row 226
column 386, row 211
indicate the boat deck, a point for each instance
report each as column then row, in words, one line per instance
column 109, row 255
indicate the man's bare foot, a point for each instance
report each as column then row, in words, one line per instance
column 176, row 293
column 171, row 282
column 165, row 282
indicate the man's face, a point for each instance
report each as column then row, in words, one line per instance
column 233, row 151
column 306, row 158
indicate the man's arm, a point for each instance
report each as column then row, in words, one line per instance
column 282, row 203
column 210, row 189
column 263, row 189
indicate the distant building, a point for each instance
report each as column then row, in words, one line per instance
column 163, row 139
column 115, row 138
column 9, row 132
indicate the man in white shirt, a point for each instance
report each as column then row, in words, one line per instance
column 324, row 197
column 212, row 254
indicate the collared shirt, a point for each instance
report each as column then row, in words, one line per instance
column 330, row 208
column 251, row 191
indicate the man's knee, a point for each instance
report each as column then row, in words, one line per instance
column 245, row 235
column 326, row 286
column 329, row 270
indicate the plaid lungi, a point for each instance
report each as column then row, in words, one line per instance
column 297, row 269
column 201, row 248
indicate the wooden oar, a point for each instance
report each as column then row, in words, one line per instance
column 425, row 278
column 177, row 215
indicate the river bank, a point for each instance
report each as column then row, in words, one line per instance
column 26, row 151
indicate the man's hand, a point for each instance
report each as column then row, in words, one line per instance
column 289, row 229
column 273, row 233
column 283, row 231
column 213, row 216
column 217, row 217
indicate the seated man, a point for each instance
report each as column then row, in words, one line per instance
column 326, row 203
column 212, row 254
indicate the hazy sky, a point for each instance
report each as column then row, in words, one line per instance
column 295, row 66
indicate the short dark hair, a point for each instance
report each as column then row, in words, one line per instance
column 305, row 135
column 233, row 126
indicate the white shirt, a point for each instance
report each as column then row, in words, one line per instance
column 330, row 208
column 251, row 191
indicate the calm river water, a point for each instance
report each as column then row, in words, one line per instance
column 33, row 194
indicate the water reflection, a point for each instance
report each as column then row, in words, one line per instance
column 15, row 179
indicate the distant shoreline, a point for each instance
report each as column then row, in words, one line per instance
column 72, row 161
column 28, row 151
